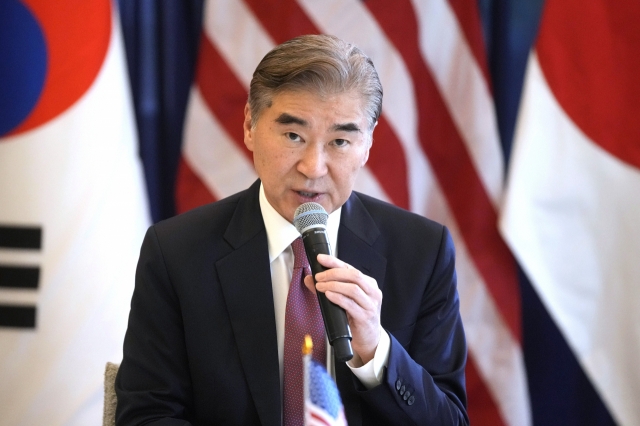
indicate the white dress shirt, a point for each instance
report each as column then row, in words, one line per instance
column 280, row 234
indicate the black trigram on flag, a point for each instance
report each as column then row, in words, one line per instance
column 17, row 240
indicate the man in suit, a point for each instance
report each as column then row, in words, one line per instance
column 207, row 325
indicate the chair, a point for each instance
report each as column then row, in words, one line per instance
column 110, row 399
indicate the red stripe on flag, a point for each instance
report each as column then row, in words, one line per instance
column 453, row 167
column 468, row 15
column 386, row 159
column 283, row 20
column 481, row 407
column 387, row 162
column 191, row 192
column 223, row 93
column 317, row 420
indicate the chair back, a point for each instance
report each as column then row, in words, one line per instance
column 110, row 399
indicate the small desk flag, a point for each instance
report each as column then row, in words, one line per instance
column 322, row 403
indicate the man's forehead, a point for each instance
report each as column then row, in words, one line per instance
column 313, row 97
column 297, row 107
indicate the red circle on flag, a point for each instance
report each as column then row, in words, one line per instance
column 77, row 34
column 588, row 52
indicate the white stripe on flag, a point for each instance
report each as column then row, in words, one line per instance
column 498, row 355
column 212, row 154
column 367, row 183
column 238, row 35
column 464, row 90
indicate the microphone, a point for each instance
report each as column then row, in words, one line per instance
column 310, row 219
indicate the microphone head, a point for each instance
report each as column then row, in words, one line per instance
column 310, row 215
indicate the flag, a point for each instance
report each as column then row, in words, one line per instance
column 72, row 208
column 572, row 205
column 436, row 149
column 322, row 403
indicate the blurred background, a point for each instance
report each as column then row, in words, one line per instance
column 515, row 123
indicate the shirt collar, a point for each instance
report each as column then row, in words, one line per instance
column 281, row 233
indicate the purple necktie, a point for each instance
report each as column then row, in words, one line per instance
column 302, row 316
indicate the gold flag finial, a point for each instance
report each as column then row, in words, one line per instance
column 307, row 347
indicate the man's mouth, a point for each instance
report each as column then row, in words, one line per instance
column 307, row 194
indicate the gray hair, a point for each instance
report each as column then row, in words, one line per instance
column 322, row 64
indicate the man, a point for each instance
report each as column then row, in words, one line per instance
column 207, row 326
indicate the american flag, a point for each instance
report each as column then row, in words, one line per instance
column 436, row 148
column 322, row 403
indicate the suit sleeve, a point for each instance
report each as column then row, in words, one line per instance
column 424, row 382
column 153, row 385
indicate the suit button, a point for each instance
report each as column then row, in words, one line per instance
column 402, row 389
column 406, row 395
column 411, row 400
column 398, row 384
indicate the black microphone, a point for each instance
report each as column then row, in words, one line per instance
column 310, row 219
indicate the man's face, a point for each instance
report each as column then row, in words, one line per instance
column 308, row 148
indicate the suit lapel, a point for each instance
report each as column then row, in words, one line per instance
column 245, row 277
column 357, row 237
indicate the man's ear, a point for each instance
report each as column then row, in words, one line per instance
column 366, row 156
column 370, row 143
column 246, row 127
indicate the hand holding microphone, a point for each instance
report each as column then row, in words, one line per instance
column 352, row 290
column 310, row 219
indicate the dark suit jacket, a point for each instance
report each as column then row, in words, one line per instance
column 201, row 346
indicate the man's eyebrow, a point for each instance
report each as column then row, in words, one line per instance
column 346, row 127
column 286, row 118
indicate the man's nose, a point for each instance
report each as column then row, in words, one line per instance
column 313, row 163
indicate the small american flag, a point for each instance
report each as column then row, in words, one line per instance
column 322, row 403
